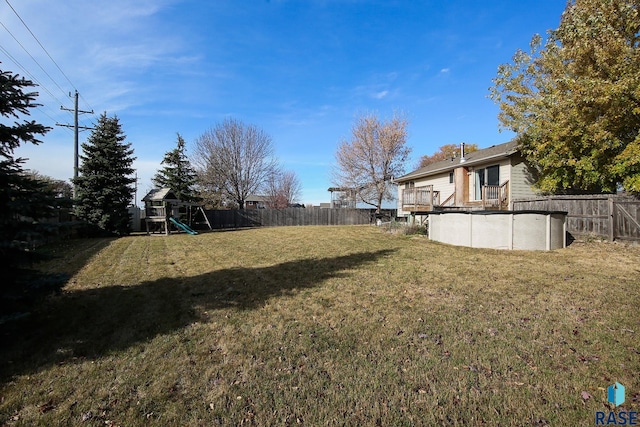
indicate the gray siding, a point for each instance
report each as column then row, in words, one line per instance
column 521, row 183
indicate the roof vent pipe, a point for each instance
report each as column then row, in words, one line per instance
column 462, row 158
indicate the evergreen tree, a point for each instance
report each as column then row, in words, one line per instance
column 20, row 196
column 104, row 186
column 178, row 174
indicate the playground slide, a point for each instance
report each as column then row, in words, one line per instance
column 182, row 225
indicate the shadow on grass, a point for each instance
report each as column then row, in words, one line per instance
column 25, row 287
column 95, row 322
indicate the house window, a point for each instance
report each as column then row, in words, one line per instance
column 493, row 175
column 450, row 177
column 409, row 184
column 486, row 176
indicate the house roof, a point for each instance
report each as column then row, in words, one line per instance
column 159, row 194
column 480, row 156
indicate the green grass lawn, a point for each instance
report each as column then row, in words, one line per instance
column 323, row 326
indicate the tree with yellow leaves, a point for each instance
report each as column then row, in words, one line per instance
column 574, row 100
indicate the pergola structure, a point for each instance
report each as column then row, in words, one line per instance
column 343, row 197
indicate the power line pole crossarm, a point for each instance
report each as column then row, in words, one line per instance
column 76, row 129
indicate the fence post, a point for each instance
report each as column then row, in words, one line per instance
column 612, row 218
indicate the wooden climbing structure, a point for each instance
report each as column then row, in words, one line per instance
column 163, row 208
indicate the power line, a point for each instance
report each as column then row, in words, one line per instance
column 47, row 114
column 45, row 51
column 76, row 127
column 41, row 107
column 31, row 76
column 38, row 41
column 86, row 102
column 31, row 56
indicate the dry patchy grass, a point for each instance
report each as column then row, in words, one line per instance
column 324, row 326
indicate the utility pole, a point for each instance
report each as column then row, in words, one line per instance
column 135, row 194
column 76, row 129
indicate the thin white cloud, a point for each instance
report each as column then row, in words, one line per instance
column 117, row 12
column 120, row 41
column 296, row 114
column 393, row 75
column 136, row 57
column 380, row 95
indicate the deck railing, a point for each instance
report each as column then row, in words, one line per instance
column 496, row 196
column 420, row 198
column 449, row 201
column 426, row 198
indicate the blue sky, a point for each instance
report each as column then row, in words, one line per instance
column 301, row 70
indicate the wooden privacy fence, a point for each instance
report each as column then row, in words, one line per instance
column 292, row 216
column 609, row 216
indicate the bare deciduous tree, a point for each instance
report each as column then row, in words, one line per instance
column 283, row 189
column 375, row 154
column 235, row 158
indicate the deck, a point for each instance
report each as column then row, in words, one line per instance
column 426, row 199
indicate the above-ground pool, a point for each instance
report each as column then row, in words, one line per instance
column 526, row 230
